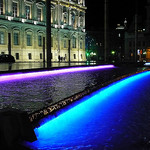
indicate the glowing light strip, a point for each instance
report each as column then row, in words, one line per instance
column 50, row 72
column 92, row 101
column 100, row 95
column 147, row 64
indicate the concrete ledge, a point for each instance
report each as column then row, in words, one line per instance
column 14, row 127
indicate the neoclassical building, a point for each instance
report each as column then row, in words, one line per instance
column 23, row 29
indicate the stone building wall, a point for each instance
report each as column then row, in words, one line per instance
column 25, row 21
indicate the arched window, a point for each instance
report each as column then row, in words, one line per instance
column 2, row 38
column 65, row 15
column 28, row 11
column 73, row 18
column 3, row 35
column 15, row 9
column 29, row 36
column 65, row 39
column 53, row 13
column 16, row 36
column 74, row 42
column 39, row 14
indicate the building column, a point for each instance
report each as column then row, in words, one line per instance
column 69, row 16
column 78, row 21
column 5, row 7
column 84, row 21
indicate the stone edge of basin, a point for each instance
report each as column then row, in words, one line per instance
column 36, row 116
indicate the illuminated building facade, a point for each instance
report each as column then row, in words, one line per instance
column 23, row 24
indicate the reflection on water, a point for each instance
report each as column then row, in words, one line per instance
column 35, row 65
column 114, row 118
column 35, row 93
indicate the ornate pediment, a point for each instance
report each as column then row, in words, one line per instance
column 29, row 1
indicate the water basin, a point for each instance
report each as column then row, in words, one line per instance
column 116, row 117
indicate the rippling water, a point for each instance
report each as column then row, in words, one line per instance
column 35, row 93
column 114, row 118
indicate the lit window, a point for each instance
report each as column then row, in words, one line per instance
column 41, row 56
column 17, row 56
column 27, row 10
column 81, row 45
column 16, row 38
column 1, row 7
column 65, row 43
column 14, row 9
column 29, row 43
column 40, row 40
column 39, row 14
column 74, row 42
column 29, row 55
column 1, row 37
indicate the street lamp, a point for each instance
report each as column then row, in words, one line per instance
column 106, row 28
column 136, row 29
column 48, row 32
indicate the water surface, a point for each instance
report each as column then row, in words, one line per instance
column 32, row 94
column 114, row 118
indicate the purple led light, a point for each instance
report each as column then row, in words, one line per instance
column 50, row 72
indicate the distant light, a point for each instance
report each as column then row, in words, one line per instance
column 147, row 64
column 87, row 54
column 23, row 20
column 83, row 30
column 112, row 52
column 56, row 26
column 10, row 18
column 17, row 76
column 35, row 22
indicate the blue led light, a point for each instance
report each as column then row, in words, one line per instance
column 80, row 124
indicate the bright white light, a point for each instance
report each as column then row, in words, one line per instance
column 10, row 18
column 23, row 20
column 35, row 22
column 147, row 64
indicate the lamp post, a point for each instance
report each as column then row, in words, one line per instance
column 106, row 28
column 9, row 43
column 48, row 32
column 136, row 29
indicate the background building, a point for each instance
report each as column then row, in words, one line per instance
column 137, row 45
column 23, row 29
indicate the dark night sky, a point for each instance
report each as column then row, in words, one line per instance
column 118, row 11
